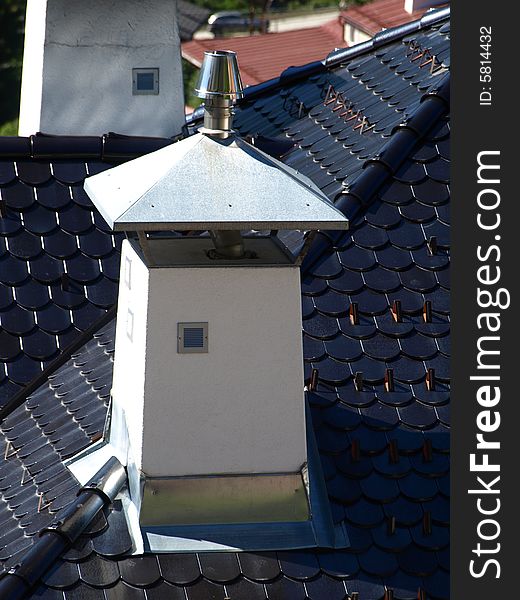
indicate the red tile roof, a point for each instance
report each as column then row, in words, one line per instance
column 374, row 16
column 262, row 57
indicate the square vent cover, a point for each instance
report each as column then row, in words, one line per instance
column 192, row 338
column 145, row 81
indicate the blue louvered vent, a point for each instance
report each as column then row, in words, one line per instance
column 193, row 337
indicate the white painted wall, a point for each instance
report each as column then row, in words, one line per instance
column 352, row 35
column 412, row 5
column 78, row 60
column 131, row 342
column 237, row 409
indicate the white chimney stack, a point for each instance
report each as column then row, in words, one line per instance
column 208, row 410
column 99, row 66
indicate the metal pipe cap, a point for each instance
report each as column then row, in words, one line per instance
column 219, row 76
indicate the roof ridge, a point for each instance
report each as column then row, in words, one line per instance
column 56, row 538
column 293, row 74
column 378, row 169
column 388, row 35
column 21, row 396
column 110, row 146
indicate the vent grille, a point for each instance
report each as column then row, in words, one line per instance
column 192, row 338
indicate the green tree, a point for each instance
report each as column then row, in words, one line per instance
column 12, row 16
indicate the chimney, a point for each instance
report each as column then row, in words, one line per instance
column 410, row 6
column 208, row 401
column 98, row 66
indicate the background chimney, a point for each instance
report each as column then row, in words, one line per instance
column 98, row 66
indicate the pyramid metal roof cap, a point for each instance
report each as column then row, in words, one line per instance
column 204, row 183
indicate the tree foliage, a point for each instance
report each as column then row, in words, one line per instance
column 12, row 14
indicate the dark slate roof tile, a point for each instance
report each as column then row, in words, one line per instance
column 301, row 565
column 40, row 220
column 33, row 172
column 437, row 539
column 439, row 508
column 259, row 567
column 24, row 245
column 380, row 417
column 22, row 369
column 384, row 215
column 437, row 586
column 60, row 244
column 7, row 172
column 9, row 346
column 45, row 593
column 82, row 269
column 205, row 590
column 343, row 488
column 365, row 513
column 444, row 559
column 378, row 562
column 348, row 282
column 140, row 571
column 69, row 172
column 96, row 244
column 53, row 195
column 103, row 293
column 366, row 588
column 285, row 589
column 406, row 512
column 373, row 371
column 403, row 586
column 79, row 195
column 181, row 568
column 332, row 303
column 75, row 219
column 10, row 223
column 379, row 489
column 18, row 196
column 115, row 541
column 333, row 372
column 45, row 269
column 357, row 259
column 14, row 271
column 40, row 345
column 82, row 592
column 54, row 319
column 62, row 575
column 344, row 348
column 418, row 415
column 370, row 302
column 123, row 591
column 165, row 591
column 219, row 566
column 414, row 561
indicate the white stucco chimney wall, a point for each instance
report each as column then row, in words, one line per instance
column 78, row 61
column 237, row 409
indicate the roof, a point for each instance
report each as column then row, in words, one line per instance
column 190, row 18
column 370, row 127
column 265, row 56
column 371, row 17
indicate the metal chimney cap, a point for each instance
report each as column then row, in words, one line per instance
column 219, row 76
